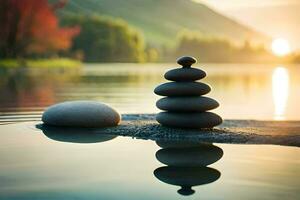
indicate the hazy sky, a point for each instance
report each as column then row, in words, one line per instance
column 237, row 4
column 276, row 18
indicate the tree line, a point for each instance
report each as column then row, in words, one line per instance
column 32, row 29
column 215, row 49
column 105, row 40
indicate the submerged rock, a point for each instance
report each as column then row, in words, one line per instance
column 81, row 114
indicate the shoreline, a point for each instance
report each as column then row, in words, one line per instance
column 144, row 126
column 39, row 63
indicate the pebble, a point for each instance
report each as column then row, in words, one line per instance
column 189, row 120
column 182, row 89
column 81, row 114
column 186, row 61
column 185, row 74
column 187, row 104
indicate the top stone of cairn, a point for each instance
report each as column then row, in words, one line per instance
column 186, row 73
column 186, row 61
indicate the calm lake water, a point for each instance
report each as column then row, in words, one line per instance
column 262, row 92
column 84, row 165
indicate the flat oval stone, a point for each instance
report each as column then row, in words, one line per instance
column 185, row 74
column 81, row 114
column 186, row 61
column 182, row 89
column 189, row 120
column 187, row 104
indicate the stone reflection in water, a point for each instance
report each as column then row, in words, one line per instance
column 187, row 164
column 75, row 135
column 280, row 89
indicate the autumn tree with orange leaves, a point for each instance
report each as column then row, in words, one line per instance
column 31, row 27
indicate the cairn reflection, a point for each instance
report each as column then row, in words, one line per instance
column 187, row 164
column 75, row 135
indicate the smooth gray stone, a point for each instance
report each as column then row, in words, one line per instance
column 182, row 89
column 201, row 155
column 187, row 104
column 186, row 61
column 81, row 114
column 189, row 120
column 185, row 74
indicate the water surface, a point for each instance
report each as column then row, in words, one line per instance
column 264, row 92
column 83, row 165
column 54, row 165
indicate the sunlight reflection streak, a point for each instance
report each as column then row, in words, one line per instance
column 280, row 88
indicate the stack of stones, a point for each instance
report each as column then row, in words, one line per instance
column 184, row 104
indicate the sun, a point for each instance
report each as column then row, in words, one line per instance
column 281, row 47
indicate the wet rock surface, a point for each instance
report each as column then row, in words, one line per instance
column 144, row 126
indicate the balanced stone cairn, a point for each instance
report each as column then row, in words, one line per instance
column 184, row 104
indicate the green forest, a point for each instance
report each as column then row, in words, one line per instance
column 105, row 40
column 57, row 29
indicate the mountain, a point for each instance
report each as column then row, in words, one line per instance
column 286, row 17
column 161, row 20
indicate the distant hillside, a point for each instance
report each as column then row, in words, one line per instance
column 160, row 20
column 287, row 19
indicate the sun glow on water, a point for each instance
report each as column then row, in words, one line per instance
column 280, row 88
column 280, row 47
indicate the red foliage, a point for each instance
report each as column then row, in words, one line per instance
column 30, row 26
